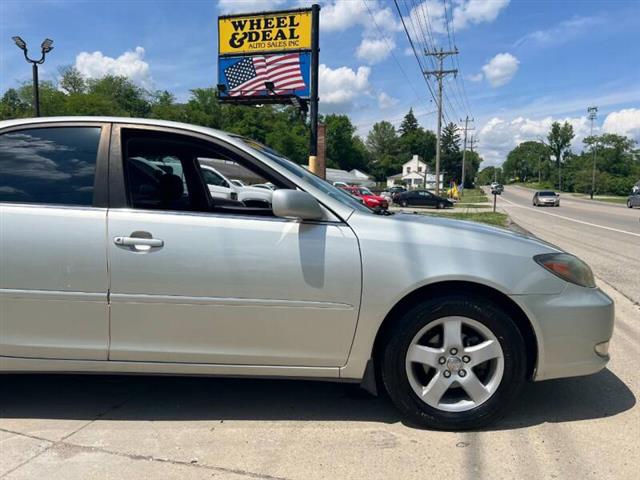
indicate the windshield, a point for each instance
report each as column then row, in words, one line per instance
column 365, row 191
column 306, row 176
column 547, row 194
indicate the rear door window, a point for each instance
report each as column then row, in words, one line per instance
column 54, row 165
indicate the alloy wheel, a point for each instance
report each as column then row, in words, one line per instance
column 454, row 364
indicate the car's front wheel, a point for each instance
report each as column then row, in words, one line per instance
column 629, row 204
column 403, row 203
column 454, row 363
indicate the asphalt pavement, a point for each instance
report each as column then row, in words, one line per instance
column 92, row 427
column 605, row 235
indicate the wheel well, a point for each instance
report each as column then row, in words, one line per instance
column 461, row 287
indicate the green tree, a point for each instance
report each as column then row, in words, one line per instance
column 13, row 106
column 526, row 160
column 490, row 174
column 450, row 154
column 382, row 144
column 409, row 124
column 450, row 139
column 344, row 148
column 559, row 139
column 71, row 81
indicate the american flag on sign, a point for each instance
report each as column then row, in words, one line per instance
column 247, row 76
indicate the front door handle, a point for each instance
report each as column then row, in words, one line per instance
column 136, row 242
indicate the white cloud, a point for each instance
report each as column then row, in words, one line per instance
column 477, row 11
column 498, row 137
column 465, row 14
column 475, row 78
column 130, row 64
column 242, row 6
column 339, row 87
column 339, row 15
column 375, row 50
column 386, row 101
column 624, row 122
column 561, row 32
column 500, row 69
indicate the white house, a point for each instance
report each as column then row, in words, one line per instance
column 415, row 175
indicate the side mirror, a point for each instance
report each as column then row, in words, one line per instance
column 296, row 204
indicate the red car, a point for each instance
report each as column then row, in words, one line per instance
column 370, row 200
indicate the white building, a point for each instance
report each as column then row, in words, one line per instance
column 415, row 175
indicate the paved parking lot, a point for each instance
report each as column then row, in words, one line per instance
column 91, row 427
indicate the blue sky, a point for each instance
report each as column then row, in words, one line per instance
column 522, row 64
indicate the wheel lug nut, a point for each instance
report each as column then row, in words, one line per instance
column 453, row 351
column 447, row 374
column 462, row 373
column 466, row 359
column 441, row 360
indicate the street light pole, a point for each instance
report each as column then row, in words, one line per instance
column 592, row 116
column 46, row 47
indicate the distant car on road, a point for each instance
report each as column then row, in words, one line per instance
column 545, row 198
column 634, row 199
column 422, row 198
column 370, row 199
column 497, row 189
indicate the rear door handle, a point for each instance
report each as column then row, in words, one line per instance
column 137, row 241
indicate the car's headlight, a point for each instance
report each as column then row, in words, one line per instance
column 567, row 267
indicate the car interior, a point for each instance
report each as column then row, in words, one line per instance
column 164, row 173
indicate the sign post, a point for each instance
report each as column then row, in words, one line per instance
column 272, row 58
column 313, row 110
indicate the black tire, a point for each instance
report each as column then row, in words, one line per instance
column 629, row 204
column 440, row 206
column 394, row 375
column 403, row 203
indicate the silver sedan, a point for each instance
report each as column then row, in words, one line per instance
column 110, row 266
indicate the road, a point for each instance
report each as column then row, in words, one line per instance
column 85, row 428
column 606, row 236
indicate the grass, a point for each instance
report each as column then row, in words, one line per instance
column 490, row 218
column 470, row 205
column 473, row 195
column 603, row 198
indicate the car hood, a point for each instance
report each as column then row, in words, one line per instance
column 418, row 248
column 410, row 223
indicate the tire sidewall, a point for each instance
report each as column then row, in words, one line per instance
column 394, row 371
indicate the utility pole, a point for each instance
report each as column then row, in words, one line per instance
column 472, row 140
column 439, row 74
column 592, row 111
column 464, row 148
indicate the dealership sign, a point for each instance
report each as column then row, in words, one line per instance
column 265, row 32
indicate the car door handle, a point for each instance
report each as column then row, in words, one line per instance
column 137, row 241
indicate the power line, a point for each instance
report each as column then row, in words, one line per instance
column 384, row 37
column 413, row 48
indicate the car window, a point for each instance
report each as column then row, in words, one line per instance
column 175, row 172
column 54, row 166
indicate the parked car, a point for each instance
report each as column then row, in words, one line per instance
column 391, row 192
column 110, row 271
column 634, row 199
column 221, row 187
column 370, row 199
column 422, row 198
column 546, row 198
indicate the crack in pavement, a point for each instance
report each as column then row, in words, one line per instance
column 132, row 456
column 53, row 443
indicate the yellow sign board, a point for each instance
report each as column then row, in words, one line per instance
column 265, row 32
